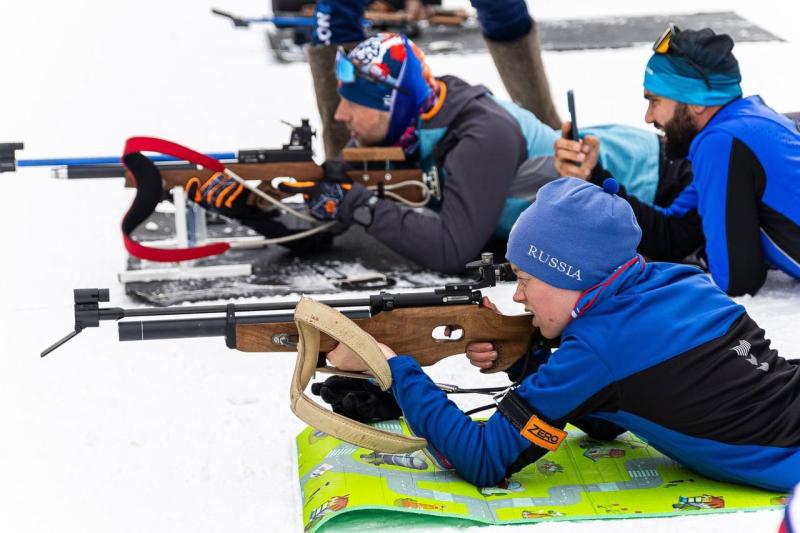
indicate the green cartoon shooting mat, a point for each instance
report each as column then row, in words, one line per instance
column 585, row 479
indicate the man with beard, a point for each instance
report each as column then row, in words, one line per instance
column 745, row 158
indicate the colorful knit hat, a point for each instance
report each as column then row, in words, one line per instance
column 387, row 72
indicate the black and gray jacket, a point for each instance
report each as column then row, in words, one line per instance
column 477, row 147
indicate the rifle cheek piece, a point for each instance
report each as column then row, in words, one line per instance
column 312, row 318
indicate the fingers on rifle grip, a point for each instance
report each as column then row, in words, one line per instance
column 216, row 185
column 231, row 186
column 193, row 185
column 232, row 198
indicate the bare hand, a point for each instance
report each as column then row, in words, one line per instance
column 483, row 354
column 343, row 358
column 576, row 158
column 486, row 302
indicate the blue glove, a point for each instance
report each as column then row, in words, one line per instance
column 323, row 197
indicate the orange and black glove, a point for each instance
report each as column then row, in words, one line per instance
column 323, row 196
column 219, row 193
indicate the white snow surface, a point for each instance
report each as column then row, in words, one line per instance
column 188, row 435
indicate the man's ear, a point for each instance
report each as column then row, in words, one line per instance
column 697, row 110
column 702, row 114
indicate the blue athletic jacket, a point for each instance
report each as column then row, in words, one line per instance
column 657, row 349
column 746, row 189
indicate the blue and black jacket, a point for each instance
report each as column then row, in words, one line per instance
column 657, row 349
column 744, row 202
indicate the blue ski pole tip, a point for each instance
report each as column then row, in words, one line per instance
column 610, row 185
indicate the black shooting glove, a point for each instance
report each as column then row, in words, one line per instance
column 323, row 196
column 357, row 399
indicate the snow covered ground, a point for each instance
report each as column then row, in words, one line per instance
column 187, row 435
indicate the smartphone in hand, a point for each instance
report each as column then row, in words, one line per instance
column 573, row 131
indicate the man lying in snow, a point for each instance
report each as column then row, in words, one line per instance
column 491, row 157
column 654, row 348
column 745, row 158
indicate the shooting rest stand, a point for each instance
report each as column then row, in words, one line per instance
column 194, row 234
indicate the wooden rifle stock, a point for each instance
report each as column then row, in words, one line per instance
column 305, row 171
column 409, row 331
column 440, row 17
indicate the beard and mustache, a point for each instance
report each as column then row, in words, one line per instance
column 680, row 131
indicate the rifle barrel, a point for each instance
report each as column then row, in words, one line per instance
column 73, row 172
column 240, row 308
column 142, row 330
column 106, row 160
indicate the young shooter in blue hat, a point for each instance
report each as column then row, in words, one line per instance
column 654, row 348
column 745, row 158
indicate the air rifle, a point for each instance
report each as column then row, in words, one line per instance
column 178, row 165
column 372, row 166
column 404, row 321
column 396, row 20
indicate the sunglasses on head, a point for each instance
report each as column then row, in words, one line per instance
column 664, row 45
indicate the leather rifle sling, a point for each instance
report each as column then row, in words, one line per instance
column 311, row 318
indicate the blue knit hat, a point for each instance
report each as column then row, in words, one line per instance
column 390, row 75
column 575, row 234
column 698, row 68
